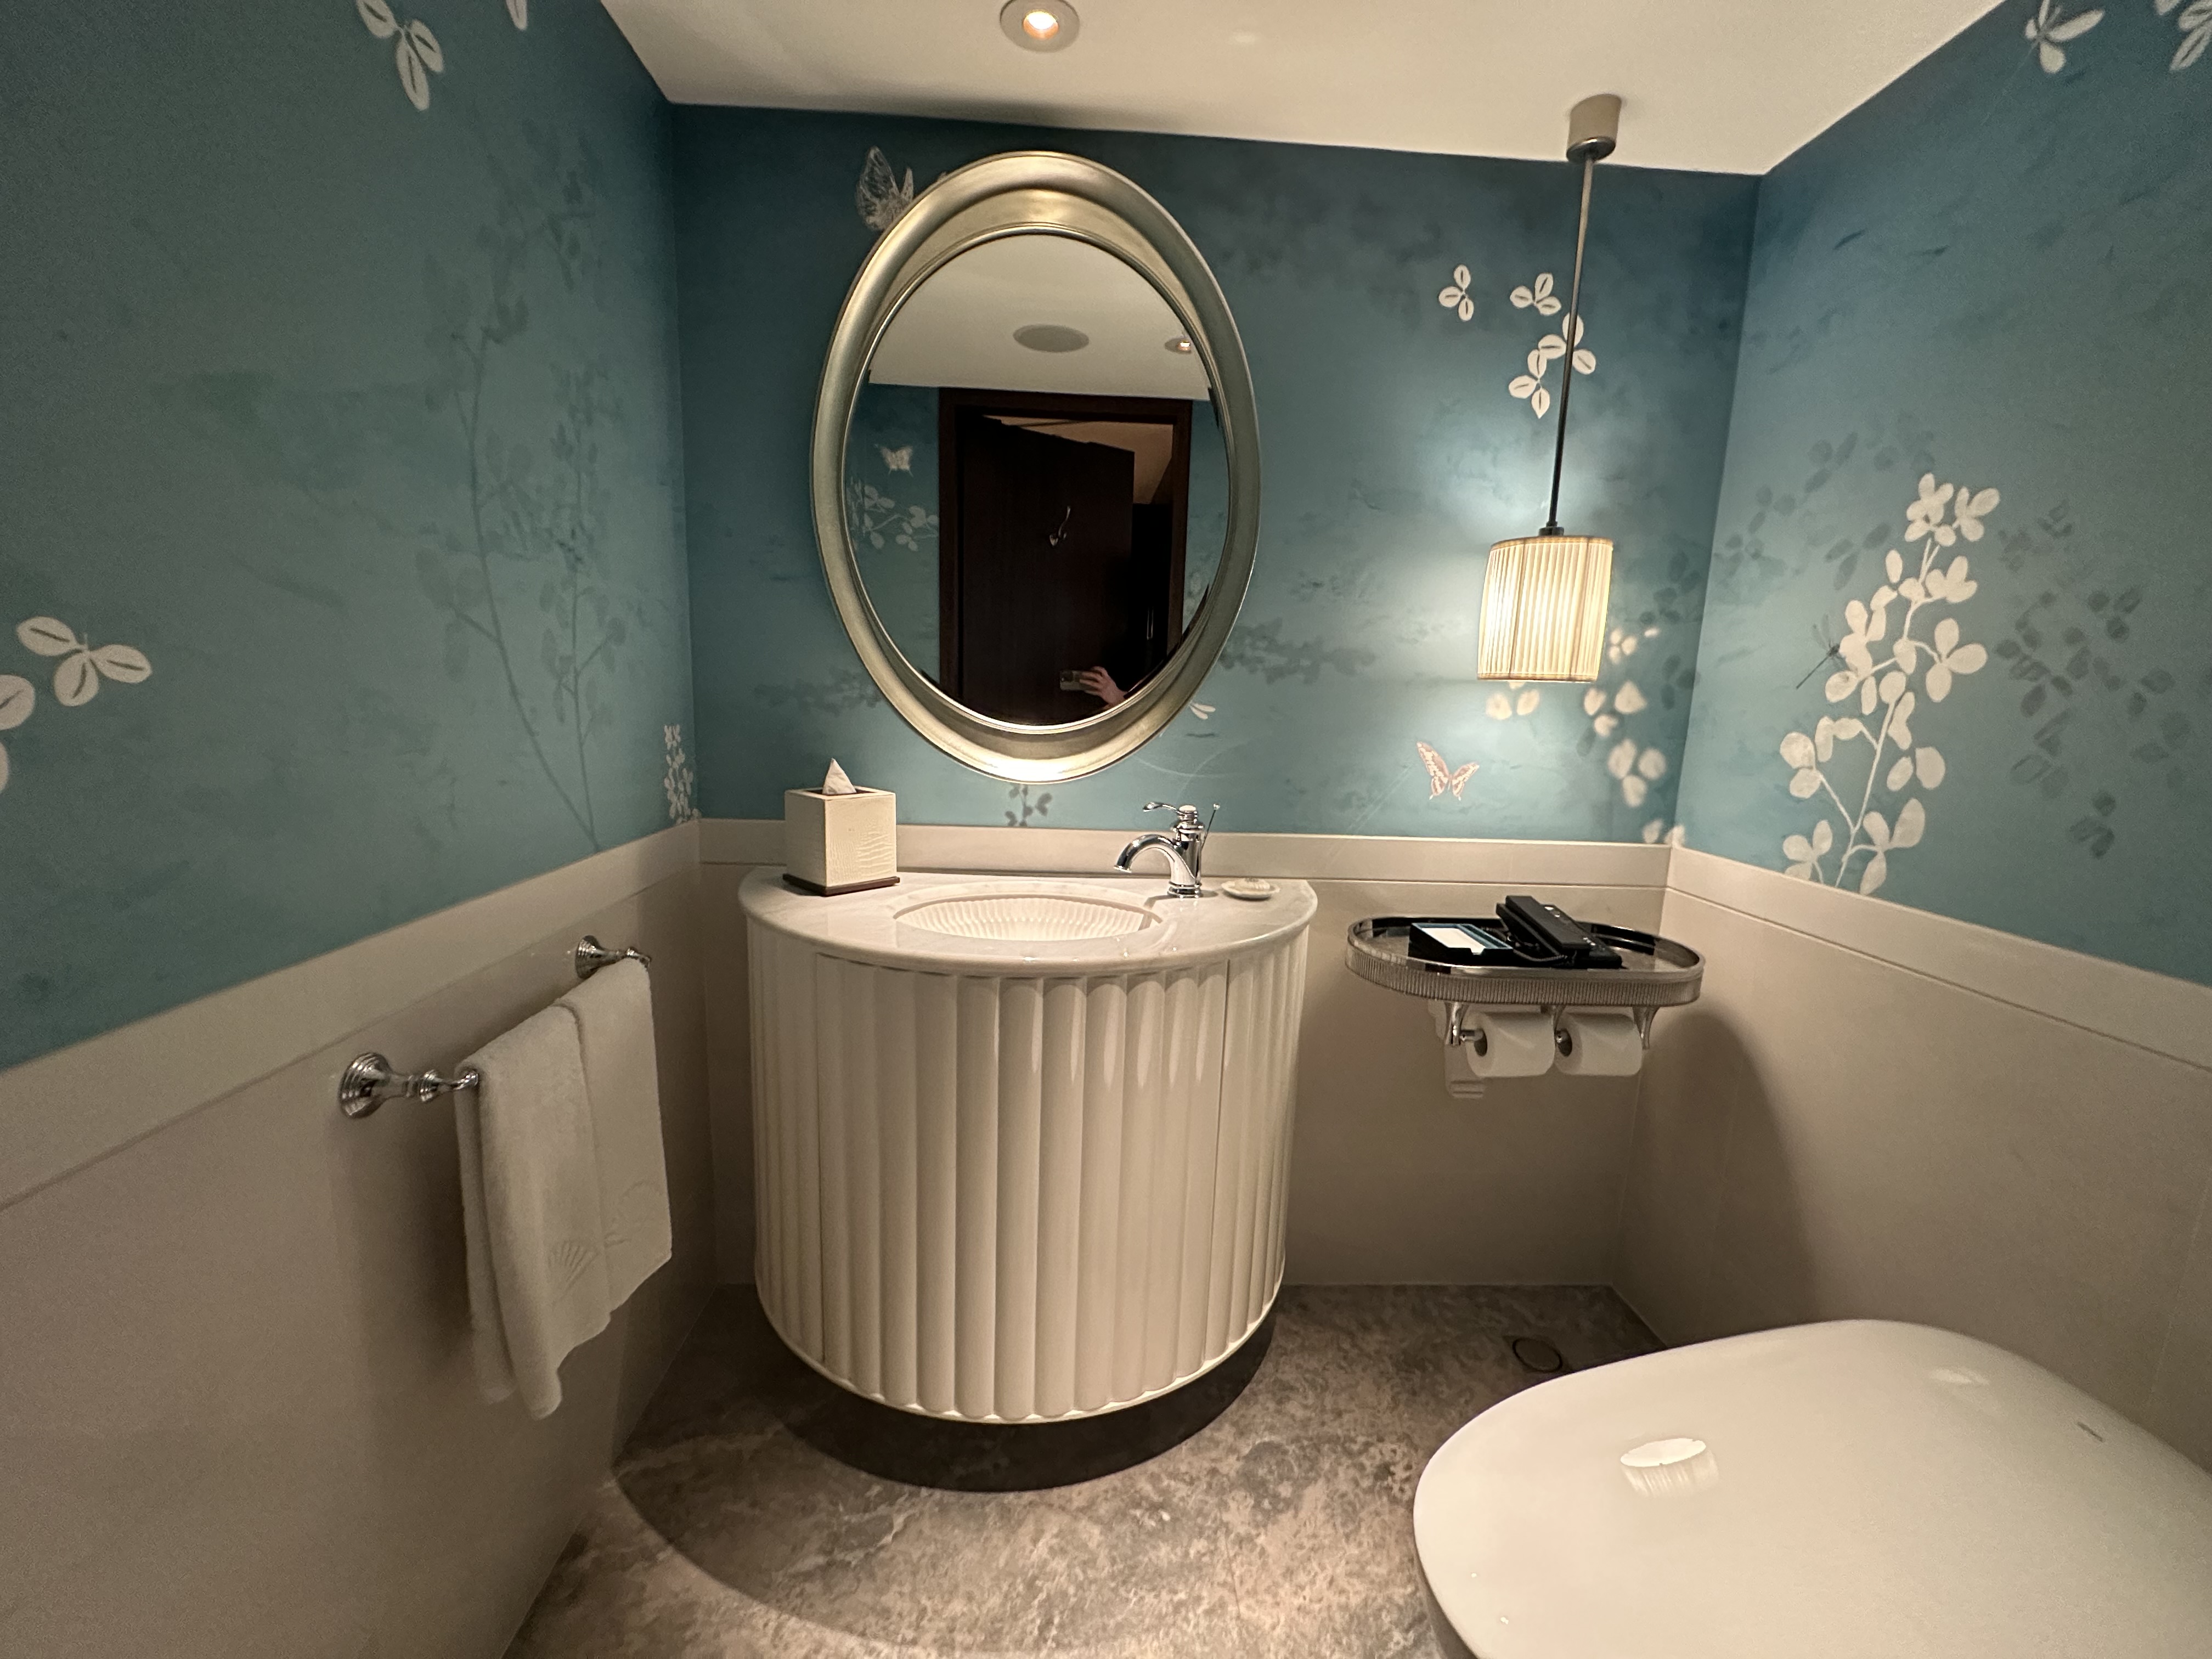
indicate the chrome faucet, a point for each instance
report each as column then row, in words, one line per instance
column 1184, row 844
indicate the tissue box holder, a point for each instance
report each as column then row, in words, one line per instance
column 840, row 843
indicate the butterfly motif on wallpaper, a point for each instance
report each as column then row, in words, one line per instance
column 900, row 460
column 1442, row 776
column 881, row 195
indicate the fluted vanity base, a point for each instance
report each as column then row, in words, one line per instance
column 1011, row 1200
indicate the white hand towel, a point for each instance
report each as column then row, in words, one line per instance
column 530, row 1203
column 614, row 1011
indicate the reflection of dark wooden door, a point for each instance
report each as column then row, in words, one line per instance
column 1043, row 563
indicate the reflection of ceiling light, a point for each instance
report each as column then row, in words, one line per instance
column 1051, row 336
column 1182, row 344
column 1039, row 25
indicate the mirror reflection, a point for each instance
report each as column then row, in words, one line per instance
column 1035, row 483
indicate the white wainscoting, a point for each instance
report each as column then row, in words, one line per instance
column 62, row 1110
column 236, row 1370
column 1877, row 1111
column 237, row 1408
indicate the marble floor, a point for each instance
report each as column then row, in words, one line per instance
column 1266, row 1509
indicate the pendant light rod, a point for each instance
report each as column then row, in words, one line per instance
column 1567, row 380
column 1593, row 130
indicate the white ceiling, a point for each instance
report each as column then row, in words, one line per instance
column 957, row 328
column 1726, row 86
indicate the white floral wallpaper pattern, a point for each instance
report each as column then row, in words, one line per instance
column 1549, row 347
column 76, row 679
column 2050, row 28
column 415, row 53
column 677, row 780
column 2195, row 23
column 1887, row 684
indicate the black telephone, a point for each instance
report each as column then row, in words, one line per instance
column 1552, row 936
column 1528, row 934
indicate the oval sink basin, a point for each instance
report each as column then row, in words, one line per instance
column 1029, row 917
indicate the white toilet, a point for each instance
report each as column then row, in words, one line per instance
column 1862, row 1490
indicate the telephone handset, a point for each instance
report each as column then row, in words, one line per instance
column 1549, row 934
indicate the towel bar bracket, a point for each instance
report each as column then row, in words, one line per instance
column 369, row 1081
column 591, row 956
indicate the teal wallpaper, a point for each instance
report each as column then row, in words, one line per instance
column 1396, row 309
column 346, row 572
column 341, row 576
column 1972, row 451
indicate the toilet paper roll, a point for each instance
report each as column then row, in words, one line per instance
column 1600, row 1045
column 1508, row 1045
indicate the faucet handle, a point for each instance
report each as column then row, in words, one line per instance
column 1187, row 821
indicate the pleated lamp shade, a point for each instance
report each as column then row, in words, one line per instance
column 1543, row 608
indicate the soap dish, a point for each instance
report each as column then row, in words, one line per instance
column 1249, row 887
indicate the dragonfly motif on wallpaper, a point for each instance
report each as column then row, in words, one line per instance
column 1832, row 651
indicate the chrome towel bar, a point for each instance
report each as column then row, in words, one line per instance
column 370, row 1080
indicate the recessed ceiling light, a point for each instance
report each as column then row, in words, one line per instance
column 1040, row 25
column 1051, row 336
column 1182, row 344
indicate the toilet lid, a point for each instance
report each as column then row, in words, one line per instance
column 1861, row 1490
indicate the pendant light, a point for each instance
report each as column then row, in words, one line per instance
column 1544, row 596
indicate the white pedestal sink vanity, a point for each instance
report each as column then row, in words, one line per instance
column 1020, row 1143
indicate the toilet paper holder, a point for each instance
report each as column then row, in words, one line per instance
column 1466, row 1030
column 1452, row 1025
column 1655, row 973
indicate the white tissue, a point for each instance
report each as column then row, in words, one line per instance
column 835, row 782
column 1600, row 1045
column 1508, row 1045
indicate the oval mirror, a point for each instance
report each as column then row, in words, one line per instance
column 1036, row 472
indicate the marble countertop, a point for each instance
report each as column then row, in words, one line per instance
column 1165, row 933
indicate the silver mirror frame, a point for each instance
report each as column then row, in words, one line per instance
column 1019, row 193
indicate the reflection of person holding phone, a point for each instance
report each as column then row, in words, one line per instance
column 1100, row 684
